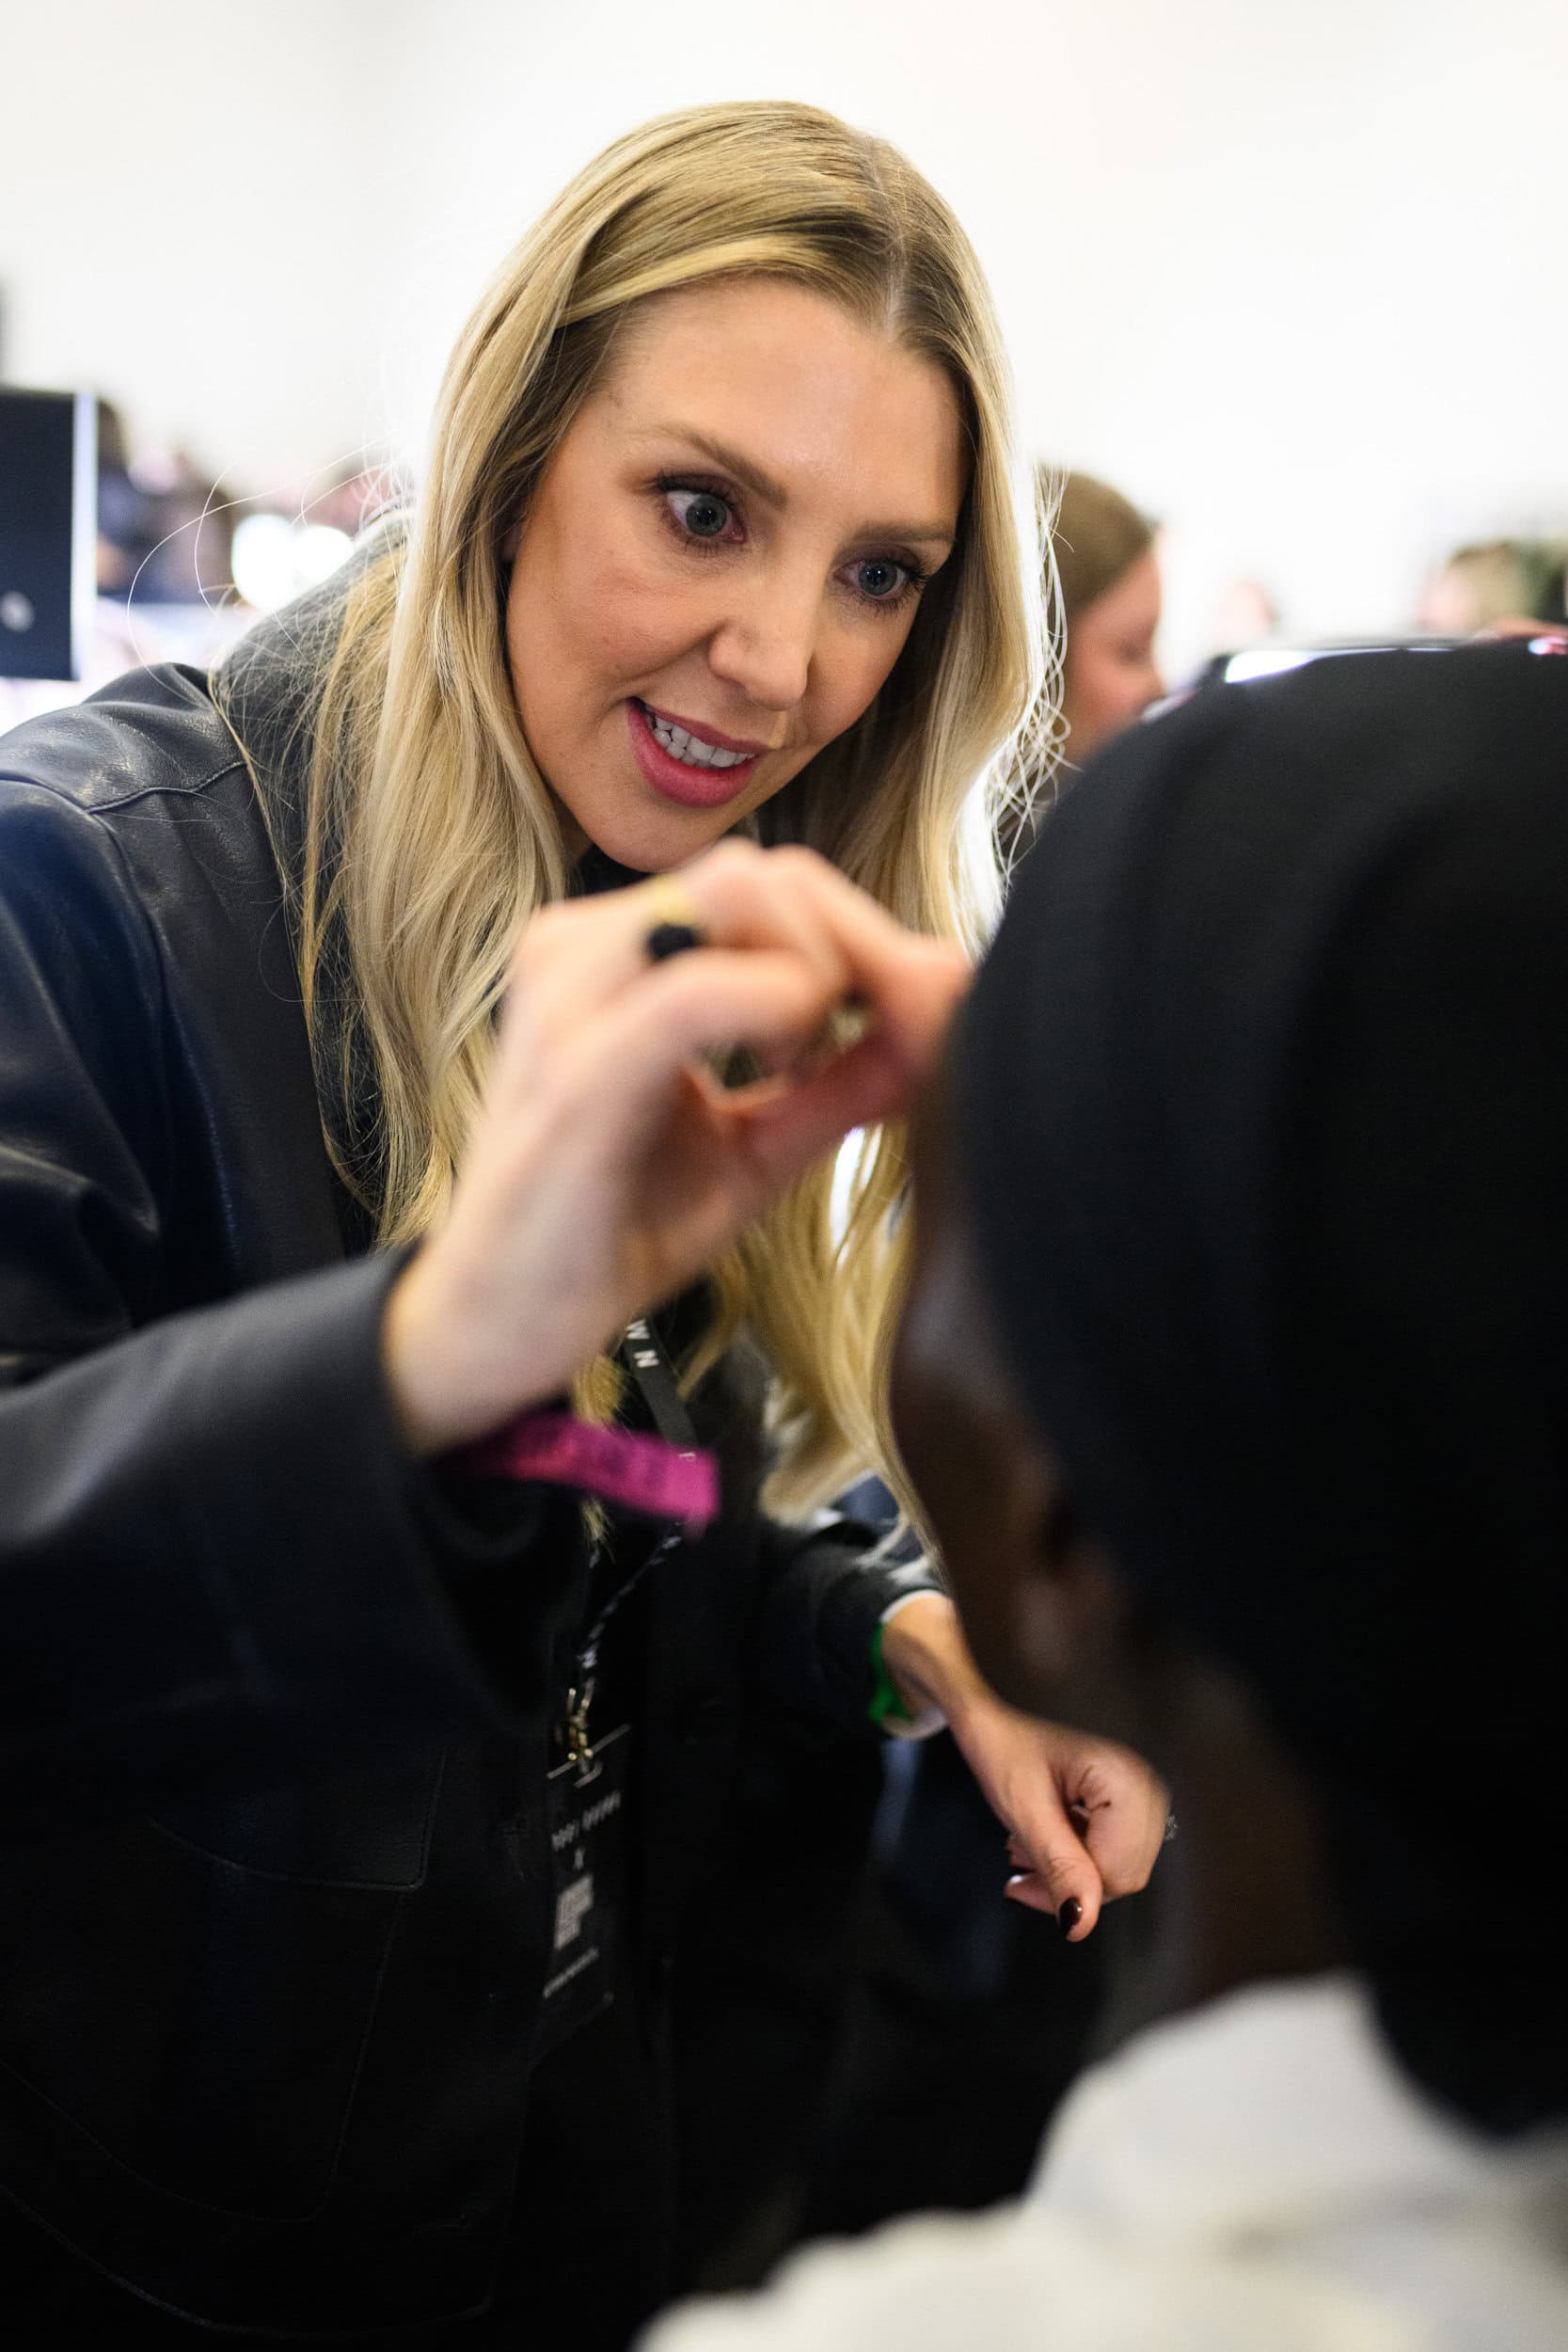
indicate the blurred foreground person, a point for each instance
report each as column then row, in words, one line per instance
column 967, row 2009
column 1232, row 1377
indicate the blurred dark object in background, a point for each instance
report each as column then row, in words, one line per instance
column 47, row 506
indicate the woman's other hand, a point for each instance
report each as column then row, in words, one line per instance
column 1085, row 1817
column 608, row 1167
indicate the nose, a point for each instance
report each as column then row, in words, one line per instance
column 765, row 643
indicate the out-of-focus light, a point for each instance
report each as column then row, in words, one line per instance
column 263, row 560
column 1265, row 661
column 319, row 549
column 275, row 558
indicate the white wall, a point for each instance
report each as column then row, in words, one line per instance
column 1291, row 273
column 191, row 192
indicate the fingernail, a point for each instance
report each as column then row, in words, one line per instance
column 1070, row 1914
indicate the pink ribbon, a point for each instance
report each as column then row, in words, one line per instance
column 618, row 1465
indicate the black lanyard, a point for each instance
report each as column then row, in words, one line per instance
column 642, row 1354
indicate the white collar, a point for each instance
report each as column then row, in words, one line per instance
column 1269, row 2113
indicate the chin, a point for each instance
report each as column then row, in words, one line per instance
column 651, row 840
column 645, row 849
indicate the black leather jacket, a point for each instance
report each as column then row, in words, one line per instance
column 276, row 1700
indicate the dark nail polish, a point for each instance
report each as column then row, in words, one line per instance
column 1070, row 1914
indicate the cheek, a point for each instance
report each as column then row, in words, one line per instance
column 1106, row 686
column 586, row 616
column 855, row 665
column 1085, row 683
column 1135, row 691
column 618, row 634
column 610, row 606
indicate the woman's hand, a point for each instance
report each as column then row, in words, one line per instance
column 1085, row 1817
column 608, row 1167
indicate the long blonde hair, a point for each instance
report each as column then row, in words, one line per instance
column 429, row 835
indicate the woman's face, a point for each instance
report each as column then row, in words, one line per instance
column 724, row 559
column 1111, row 674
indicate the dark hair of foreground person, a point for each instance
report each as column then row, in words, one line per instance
column 1232, row 1379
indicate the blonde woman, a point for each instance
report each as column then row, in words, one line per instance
column 354, row 1121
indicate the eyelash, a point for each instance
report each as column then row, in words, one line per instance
column 915, row 577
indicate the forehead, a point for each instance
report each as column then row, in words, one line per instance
column 828, row 406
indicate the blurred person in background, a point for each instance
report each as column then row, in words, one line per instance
column 354, row 493
column 1105, row 599
column 165, row 526
column 1494, row 583
column 1231, row 1379
column 380, row 1716
column 1108, row 571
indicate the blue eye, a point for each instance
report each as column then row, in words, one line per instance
column 879, row 579
column 703, row 512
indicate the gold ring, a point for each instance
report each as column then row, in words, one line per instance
column 676, row 925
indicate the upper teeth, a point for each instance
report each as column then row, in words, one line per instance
column 691, row 749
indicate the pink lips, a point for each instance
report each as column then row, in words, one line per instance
column 693, row 788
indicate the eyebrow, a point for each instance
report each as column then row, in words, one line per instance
column 753, row 478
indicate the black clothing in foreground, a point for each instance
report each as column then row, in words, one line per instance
column 1264, row 1121
column 275, row 1702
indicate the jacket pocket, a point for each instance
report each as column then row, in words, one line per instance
column 202, row 2017
column 365, row 1829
